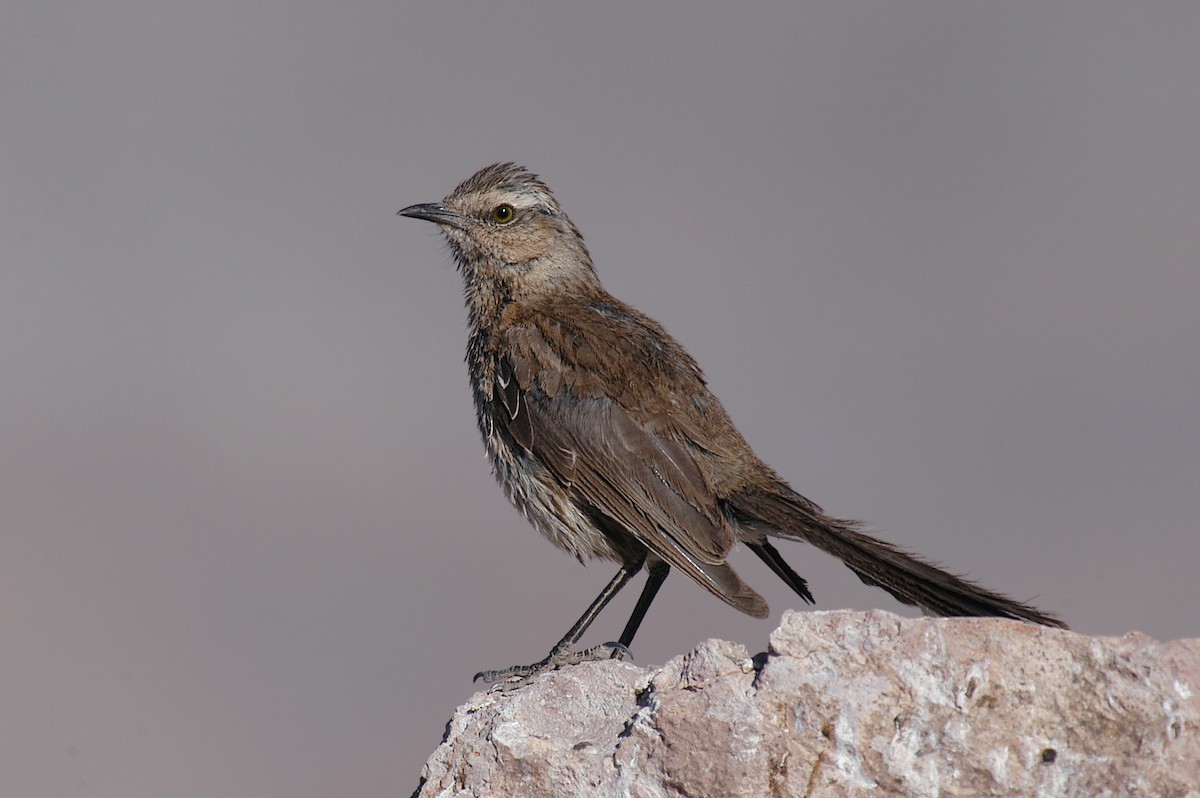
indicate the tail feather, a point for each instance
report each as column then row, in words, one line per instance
column 906, row 576
column 774, row 560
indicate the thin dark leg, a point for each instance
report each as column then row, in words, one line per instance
column 558, row 654
column 610, row 590
column 658, row 575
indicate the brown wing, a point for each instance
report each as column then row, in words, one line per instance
column 630, row 465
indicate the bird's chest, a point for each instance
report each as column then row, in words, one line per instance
column 529, row 485
column 483, row 366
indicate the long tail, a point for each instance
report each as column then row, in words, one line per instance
column 910, row 579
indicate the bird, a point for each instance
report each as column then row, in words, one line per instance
column 602, row 431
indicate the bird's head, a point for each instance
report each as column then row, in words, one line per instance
column 504, row 226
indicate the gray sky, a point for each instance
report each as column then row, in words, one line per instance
column 941, row 262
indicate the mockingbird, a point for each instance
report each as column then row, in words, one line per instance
column 601, row 430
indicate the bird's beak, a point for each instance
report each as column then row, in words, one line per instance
column 434, row 212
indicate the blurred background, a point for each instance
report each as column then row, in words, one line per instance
column 941, row 262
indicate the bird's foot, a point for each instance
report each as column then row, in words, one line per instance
column 507, row 679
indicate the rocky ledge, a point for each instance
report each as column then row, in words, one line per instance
column 846, row 704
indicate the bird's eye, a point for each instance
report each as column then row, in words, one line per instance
column 503, row 213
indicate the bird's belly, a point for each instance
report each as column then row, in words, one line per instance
column 544, row 501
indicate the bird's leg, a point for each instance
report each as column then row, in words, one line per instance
column 620, row 649
column 658, row 575
column 562, row 654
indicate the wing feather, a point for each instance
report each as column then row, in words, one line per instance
column 632, row 467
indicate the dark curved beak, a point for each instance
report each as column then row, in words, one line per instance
column 433, row 212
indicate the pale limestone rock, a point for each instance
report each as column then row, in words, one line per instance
column 847, row 704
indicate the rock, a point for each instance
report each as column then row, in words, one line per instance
column 846, row 704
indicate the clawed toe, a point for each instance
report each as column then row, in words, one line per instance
column 518, row 675
column 515, row 672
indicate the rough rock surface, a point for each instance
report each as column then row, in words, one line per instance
column 847, row 704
